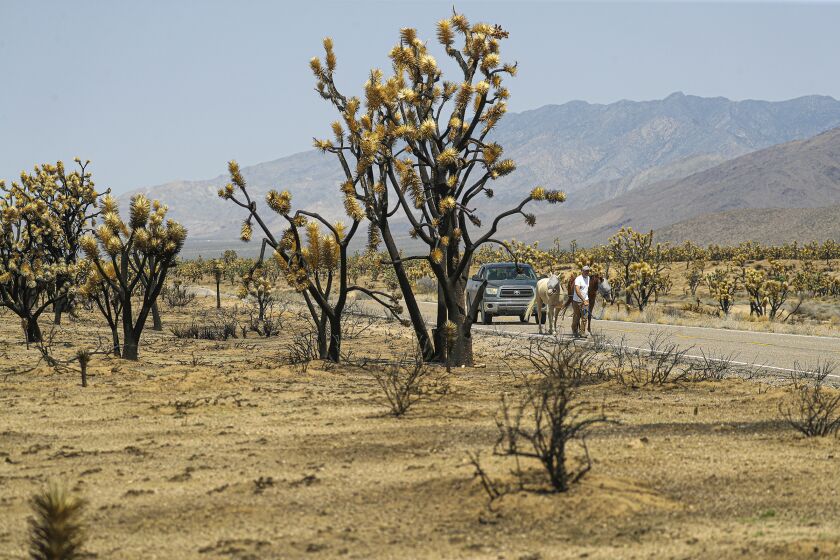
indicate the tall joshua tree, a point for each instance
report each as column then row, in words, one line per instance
column 421, row 148
column 137, row 257
column 315, row 263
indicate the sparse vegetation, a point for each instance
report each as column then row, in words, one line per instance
column 401, row 381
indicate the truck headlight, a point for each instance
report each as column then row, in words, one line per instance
column 492, row 291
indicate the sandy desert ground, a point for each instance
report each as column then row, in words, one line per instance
column 215, row 450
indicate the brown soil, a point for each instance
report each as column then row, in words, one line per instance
column 213, row 450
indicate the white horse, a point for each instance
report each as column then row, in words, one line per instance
column 548, row 294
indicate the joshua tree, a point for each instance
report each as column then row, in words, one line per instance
column 41, row 221
column 636, row 254
column 137, row 256
column 420, row 148
column 316, row 267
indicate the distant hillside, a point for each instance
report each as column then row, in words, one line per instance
column 767, row 225
column 800, row 174
column 595, row 152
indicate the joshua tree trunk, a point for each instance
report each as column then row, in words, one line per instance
column 218, row 292
column 410, row 301
column 33, row 331
column 115, row 338
column 58, row 309
column 129, row 350
column 157, row 324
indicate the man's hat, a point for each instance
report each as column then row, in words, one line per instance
column 586, row 268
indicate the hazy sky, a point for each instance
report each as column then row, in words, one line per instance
column 159, row 90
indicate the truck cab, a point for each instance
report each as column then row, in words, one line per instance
column 510, row 288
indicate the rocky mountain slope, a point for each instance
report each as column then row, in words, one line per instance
column 770, row 225
column 795, row 175
column 595, row 152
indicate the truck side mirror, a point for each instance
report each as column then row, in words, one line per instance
column 476, row 278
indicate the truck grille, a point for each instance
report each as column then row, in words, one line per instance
column 523, row 292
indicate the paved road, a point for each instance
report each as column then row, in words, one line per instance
column 775, row 352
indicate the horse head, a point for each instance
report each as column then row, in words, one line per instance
column 604, row 288
column 553, row 284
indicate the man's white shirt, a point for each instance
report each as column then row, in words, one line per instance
column 583, row 284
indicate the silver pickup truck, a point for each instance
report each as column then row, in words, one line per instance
column 510, row 287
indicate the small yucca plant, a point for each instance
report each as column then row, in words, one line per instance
column 55, row 533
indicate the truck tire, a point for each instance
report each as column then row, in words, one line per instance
column 523, row 318
column 486, row 318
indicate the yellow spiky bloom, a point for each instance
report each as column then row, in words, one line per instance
column 447, row 204
column 444, row 32
column 235, row 174
column 436, row 255
column 139, row 211
column 279, row 202
column 246, row 231
column 538, row 193
column 448, row 157
column 428, row 128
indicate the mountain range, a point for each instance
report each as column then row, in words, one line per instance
column 646, row 164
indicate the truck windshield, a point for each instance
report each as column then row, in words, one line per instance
column 511, row 273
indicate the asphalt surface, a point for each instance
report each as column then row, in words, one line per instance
column 778, row 353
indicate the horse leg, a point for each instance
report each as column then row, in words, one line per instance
column 538, row 303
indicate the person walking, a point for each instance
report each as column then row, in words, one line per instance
column 580, row 303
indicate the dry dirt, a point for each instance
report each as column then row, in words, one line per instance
column 213, row 450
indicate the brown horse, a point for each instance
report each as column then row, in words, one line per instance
column 597, row 284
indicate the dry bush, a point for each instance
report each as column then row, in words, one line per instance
column 401, row 381
column 710, row 367
column 661, row 362
column 221, row 331
column 562, row 357
column 302, row 349
column 266, row 317
column 176, row 296
column 815, row 411
column 545, row 419
column 55, row 533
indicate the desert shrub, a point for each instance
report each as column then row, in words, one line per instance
column 545, row 419
column 221, row 326
column 815, row 410
column 710, row 367
column 661, row 362
column 222, row 331
column 176, row 296
column 401, row 381
column 302, row 349
column 55, row 532
column 561, row 357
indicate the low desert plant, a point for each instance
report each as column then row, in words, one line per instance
column 815, row 410
column 544, row 420
column 302, row 349
column 176, row 295
column 55, row 532
column 401, row 381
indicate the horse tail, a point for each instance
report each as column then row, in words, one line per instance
column 531, row 306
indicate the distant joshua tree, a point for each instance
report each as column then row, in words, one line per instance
column 134, row 257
